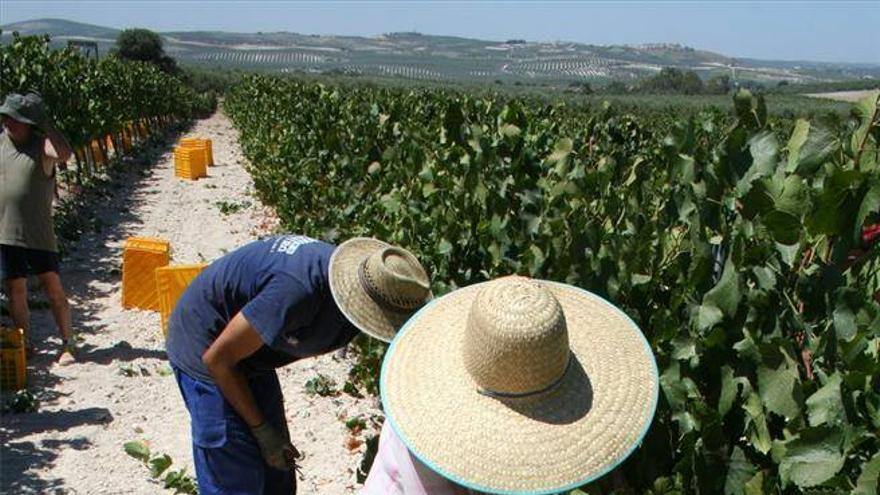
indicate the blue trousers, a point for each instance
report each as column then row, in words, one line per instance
column 226, row 454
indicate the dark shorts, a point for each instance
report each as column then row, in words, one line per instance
column 226, row 455
column 18, row 262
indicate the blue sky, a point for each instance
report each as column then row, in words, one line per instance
column 842, row 31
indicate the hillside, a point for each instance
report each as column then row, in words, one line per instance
column 420, row 56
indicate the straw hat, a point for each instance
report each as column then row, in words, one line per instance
column 377, row 286
column 520, row 386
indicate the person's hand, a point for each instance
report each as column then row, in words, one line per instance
column 275, row 447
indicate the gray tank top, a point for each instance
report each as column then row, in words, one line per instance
column 26, row 195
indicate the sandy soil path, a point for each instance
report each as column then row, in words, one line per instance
column 121, row 390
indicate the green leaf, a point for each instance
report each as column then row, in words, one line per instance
column 836, row 205
column 866, row 110
column 739, row 472
column 795, row 142
column 708, row 315
column 728, row 390
column 764, row 149
column 844, row 316
column 812, row 458
column 782, row 201
column 756, row 427
column 825, row 406
column 726, row 294
column 560, row 155
column 788, row 194
column 867, row 484
column 818, row 148
column 510, row 131
column 137, row 449
column 684, row 169
column 678, row 391
column 755, row 486
column 784, row 227
column 777, row 388
column 444, row 248
column 684, row 348
column 158, row 465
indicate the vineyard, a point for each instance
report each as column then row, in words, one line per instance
column 744, row 241
column 97, row 105
column 746, row 248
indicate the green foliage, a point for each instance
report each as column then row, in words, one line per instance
column 20, row 401
column 230, row 207
column 718, row 85
column 369, row 353
column 143, row 45
column 739, row 257
column 89, row 99
column 672, row 80
column 160, row 468
column 203, row 79
column 321, row 385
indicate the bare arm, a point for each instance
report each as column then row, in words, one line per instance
column 55, row 149
column 236, row 342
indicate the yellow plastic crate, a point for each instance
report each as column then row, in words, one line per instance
column 192, row 142
column 13, row 360
column 140, row 258
column 171, row 281
column 189, row 163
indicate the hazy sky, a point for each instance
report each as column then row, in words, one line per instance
column 834, row 31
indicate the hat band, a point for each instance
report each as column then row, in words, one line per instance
column 518, row 395
column 374, row 293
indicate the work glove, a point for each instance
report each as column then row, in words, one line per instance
column 275, row 447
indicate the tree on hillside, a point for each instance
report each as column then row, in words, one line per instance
column 718, row 85
column 672, row 80
column 145, row 46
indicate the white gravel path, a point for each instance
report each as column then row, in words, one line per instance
column 74, row 442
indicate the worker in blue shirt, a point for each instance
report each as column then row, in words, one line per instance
column 260, row 307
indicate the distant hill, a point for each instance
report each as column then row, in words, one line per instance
column 420, row 56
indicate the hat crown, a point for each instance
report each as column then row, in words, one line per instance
column 28, row 107
column 394, row 278
column 516, row 340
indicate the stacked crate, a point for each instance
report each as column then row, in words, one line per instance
column 190, row 163
column 140, row 258
column 13, row 360
column 205, row 144
column 171, row 281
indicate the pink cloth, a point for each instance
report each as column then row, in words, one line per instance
column 397, row 472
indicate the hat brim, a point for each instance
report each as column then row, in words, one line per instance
column 354, row 302
column 15, row 115
column 544, row 444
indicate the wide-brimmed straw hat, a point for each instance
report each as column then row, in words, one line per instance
column 377, row 286
column 520, row 386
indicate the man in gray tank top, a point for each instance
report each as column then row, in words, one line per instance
column 30, row 147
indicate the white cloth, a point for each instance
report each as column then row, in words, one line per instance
column 397, row 472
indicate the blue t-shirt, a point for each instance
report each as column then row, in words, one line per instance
column 281, row 286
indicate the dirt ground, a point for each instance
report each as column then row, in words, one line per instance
column 121, row 389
